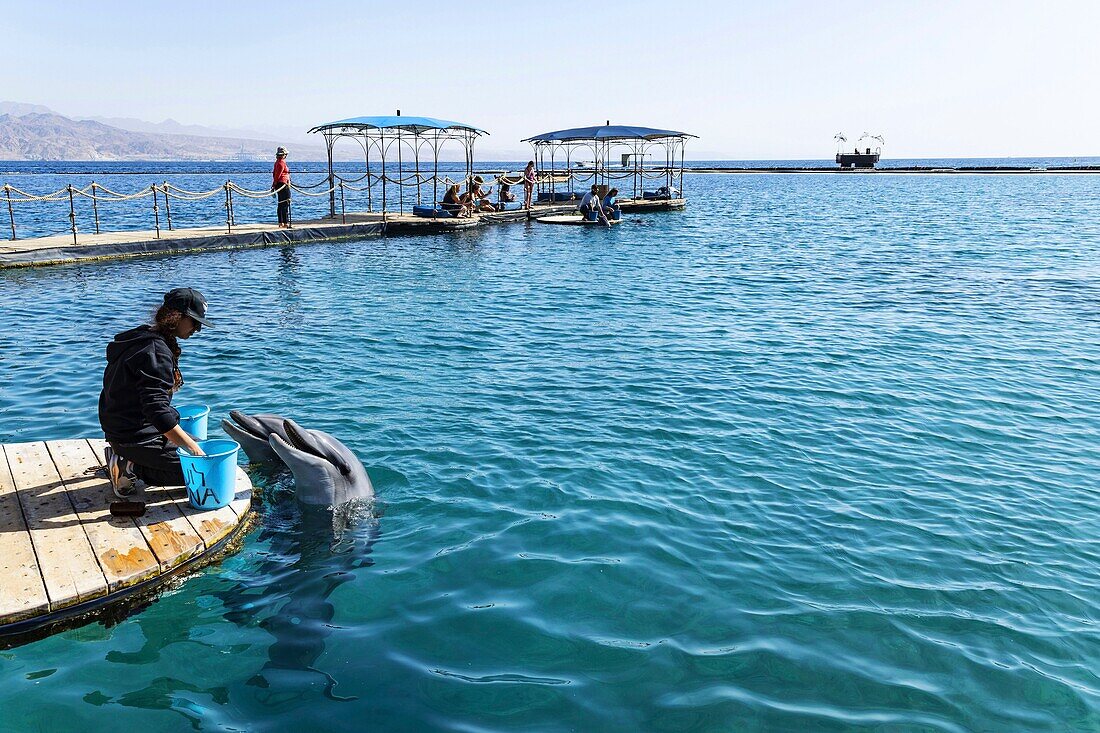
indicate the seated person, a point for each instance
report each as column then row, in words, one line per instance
column 610, row 204
column 506, row 196
column 454, row 204
column 590, row 202
column 479, row 197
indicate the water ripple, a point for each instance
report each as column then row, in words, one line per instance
column 818, row 453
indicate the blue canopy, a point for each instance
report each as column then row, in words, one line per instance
column 397, row 122
column 606, row 132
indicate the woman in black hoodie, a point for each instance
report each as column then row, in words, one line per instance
column 135, row 406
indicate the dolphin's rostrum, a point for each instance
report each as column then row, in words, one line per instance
column 325, row 472
column 252, row 432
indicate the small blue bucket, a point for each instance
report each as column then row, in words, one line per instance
column 193, row 420
column 593, row 215
column 617, row 214
column 211, row 479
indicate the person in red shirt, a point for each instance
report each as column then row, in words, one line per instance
column 280, row 182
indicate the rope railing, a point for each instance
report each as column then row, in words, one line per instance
column 55, row 196
column 198, row 195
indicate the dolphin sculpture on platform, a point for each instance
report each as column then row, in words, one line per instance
column 325, row 472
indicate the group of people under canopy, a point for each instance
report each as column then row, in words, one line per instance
column 477, row 196
column 476, row 199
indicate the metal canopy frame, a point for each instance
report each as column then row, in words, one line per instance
column 841, row 140
column 604, row 142
column 378, row 136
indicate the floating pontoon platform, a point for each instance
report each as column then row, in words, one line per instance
column 64, row 558
column 575, row 220
column 61, row 249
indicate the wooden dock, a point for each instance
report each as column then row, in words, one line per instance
column 61, row 249
column 63, row 555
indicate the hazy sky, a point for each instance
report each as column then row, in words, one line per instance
column 753, row 80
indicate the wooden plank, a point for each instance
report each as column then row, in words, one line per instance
column 242, row 502
column 123, row 553
column 65, row 556
column 22, row 590
column 169, row 533
column 214, row 524
column 210, row 524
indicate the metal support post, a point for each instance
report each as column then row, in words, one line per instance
column 400, row 182
column 167, row 206
column 72, row 212
column 156, row 210
column 95, row 207
column 331, row 194
column 11, row 212
column 228, row 210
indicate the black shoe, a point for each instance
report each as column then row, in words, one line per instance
column 121, row 482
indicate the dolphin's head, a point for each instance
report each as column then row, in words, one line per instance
column 252, row 432
column 325, row 471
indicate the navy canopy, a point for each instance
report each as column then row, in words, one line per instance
column 397, row 122
column 606, row 132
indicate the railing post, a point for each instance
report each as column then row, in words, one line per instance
column 156, row 210
column 289, row 207
column 11, row 212
column 331, row 177
column 228, row 209
column 72, row 212
column 343, row 215
column 95, row 207
column 167, row 206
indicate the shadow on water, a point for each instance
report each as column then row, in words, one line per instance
column 308, row 552
column 163, row 693
column 311, row 552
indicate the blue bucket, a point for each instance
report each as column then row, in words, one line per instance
column 593, row 215
column 211, row 479
column 617, row 214
column 193, row 420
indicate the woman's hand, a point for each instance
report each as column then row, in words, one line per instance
column 178, row 437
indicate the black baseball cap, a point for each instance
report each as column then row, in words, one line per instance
column 189, row 302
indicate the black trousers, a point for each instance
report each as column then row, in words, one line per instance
column 155, row 461
column 284, row 205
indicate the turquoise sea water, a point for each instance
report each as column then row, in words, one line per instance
column 818, row 453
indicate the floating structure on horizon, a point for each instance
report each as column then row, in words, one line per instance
column 865, row 153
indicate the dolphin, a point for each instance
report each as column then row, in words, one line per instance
column 252, row 432
column 325, row 472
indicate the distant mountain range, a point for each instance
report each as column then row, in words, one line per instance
column 34, row 132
